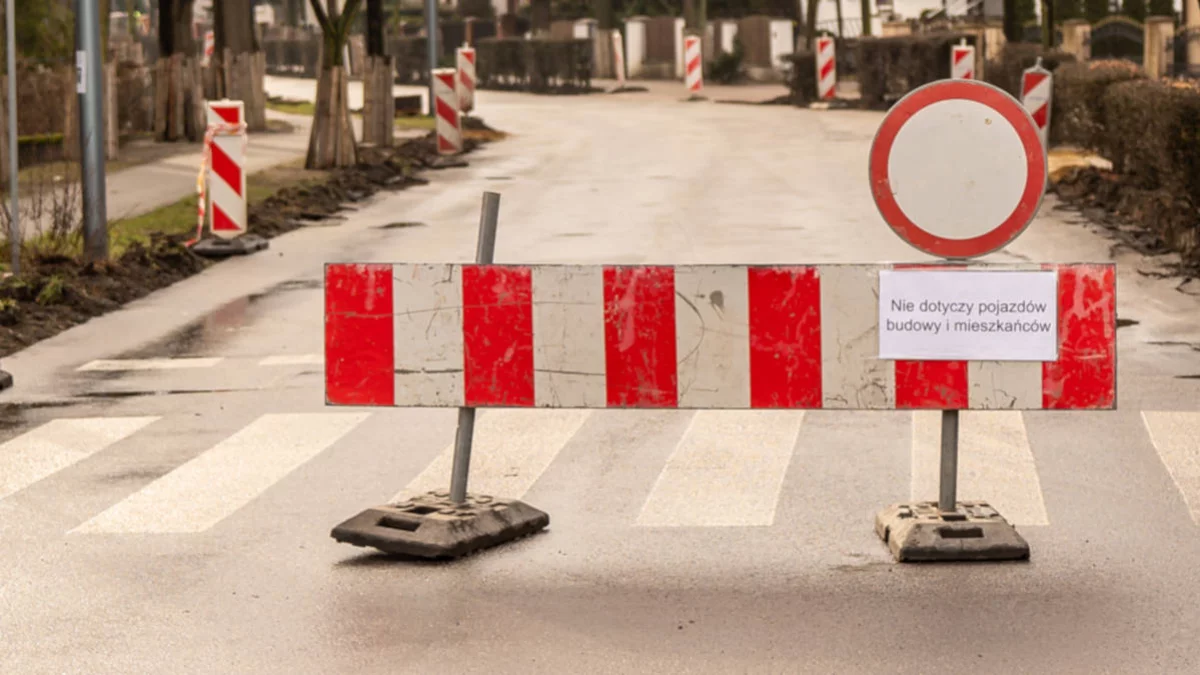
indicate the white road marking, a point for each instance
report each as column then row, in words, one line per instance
column 294, row 360
column 727, row 470
column 995, row 463
column 116, row 365
column 511, row 450
column 58, row 444
column 223, row 479
column 1176, row 438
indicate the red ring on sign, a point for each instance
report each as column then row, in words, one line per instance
column 1005, row 106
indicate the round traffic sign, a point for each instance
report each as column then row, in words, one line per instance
column 957, row 168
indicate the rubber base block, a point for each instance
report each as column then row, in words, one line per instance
column 224, row 248
column 432, row 526
column 974, row 531
column 448, row 162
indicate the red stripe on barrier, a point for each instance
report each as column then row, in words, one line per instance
column 447, row 79
column 359, row 345
column 639, row 337
column 226, row 169
column 1039, row 116
column 826, row 68
column 959, row 55
column 469, row 56
column 221, row 222
column 446, row 112
column 229, row 114
column 1085, row 374
column 1032, row 80
column 785, row 337
column 693, row 65
column 497, row 335
column 445, row 144
column 466, row 80
column 931, row 385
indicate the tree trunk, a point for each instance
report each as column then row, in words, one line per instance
column 379, row 105
column 810, row 25
column 331, row 142
column 178, row 97
column 239, row 65
column 540, row 18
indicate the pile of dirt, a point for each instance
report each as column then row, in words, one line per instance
column 1151, row 222
column 55, row 292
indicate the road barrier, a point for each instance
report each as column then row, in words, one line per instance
column 223, row 173
column 449, row 121
column 465, row 57
column 946, row 336
column 1037, row 88
column 694, row 65
column 962, row 61
column 826, row 68
column 618, row 46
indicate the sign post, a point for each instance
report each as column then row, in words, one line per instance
column 957, row 170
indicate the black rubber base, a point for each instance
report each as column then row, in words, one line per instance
column 627, row 90
column 6, row 380
column 432, row 526
column 973, row 532
column 224, row 248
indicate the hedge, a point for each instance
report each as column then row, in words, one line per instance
column 540, row 65
column 1077, row 116
column 890, row 67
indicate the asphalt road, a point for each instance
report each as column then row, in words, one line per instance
column 169, row 474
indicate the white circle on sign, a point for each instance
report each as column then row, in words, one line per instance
column 957, row 169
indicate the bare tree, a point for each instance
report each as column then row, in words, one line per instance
column 332, row 140
column 379, row 106
column 239, row 65
column 179, row 97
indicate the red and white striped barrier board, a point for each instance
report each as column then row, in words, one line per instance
column 449, row 122
column 962, row 62
column 826, row 68
column 1037, row 88
column 618, row 45
column 225, row 153
column 466, row 78
column 687, row 336
column 695, row 67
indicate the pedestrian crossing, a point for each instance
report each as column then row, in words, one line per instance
column 723, row 469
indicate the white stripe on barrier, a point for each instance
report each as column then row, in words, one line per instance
column 852, row 375
column 212, row 486
column 428, row 335
column 712, row 339
column 574, row 310
column 996, row 385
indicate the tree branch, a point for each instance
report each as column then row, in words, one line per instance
column 322, row 17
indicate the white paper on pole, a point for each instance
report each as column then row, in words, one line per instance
column 934, row 315
column 80, row 72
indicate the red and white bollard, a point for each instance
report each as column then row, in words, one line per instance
column 694, row 66
column 962, row 61
column 210, row 46
column 618, row 45
column 448, row 119
column 826, row 68
column 225, row 148
column 466, row 78
column 1037, row 87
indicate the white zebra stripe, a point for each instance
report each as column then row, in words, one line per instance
column 119, row 365
column 206, row 490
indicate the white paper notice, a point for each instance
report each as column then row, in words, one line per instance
column 932, row 315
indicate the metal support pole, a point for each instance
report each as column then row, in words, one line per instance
column 484, row 255
column 948, row 486
column 14, row 204
column 89, row 79
column 431, row 44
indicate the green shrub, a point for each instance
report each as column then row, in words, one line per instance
column 803, row 82
column 727, row 67
column 1076, row 116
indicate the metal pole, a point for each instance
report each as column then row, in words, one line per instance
column 89, row 78
column 14, row 205
column 948, row 487
column 431, row 45
column 484, row 254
